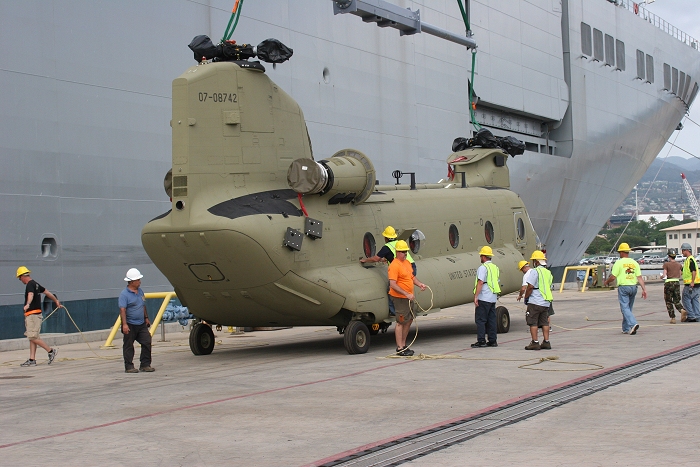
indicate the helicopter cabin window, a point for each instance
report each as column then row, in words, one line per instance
column 620, row 54
column 520, row 229
column 609, row 50
column 488, row 232
column 598, row 46
column 369, row 245
column 586, row 41
column 414, row 243
column 453, row 235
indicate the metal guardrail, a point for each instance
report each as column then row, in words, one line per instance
column 166, row 296
column 638, row 9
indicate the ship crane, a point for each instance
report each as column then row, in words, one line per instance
column 691, row 197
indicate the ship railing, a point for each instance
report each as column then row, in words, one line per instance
column 638, row 9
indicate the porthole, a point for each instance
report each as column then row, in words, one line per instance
column 326, row 75
column 454, row 236
column 180, row 205
column 416, row 240
column 488, row 232
column 49, row 248
column 520, row 226
column 369, row 246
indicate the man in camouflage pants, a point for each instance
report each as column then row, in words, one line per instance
column 672, row 287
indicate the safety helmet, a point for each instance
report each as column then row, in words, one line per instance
column 401, row 245
column 686, row 246
column 485, row 251
column 672, row 253
column 22, row 270
column 389, row 232
column 522, row 264
column 133, row 274
column 538, row 255
column 626, row 248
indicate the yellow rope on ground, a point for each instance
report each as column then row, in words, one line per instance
column 555, row 359
column 79, row 331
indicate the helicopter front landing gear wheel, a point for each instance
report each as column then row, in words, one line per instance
column 201, row 339
column 356, row 337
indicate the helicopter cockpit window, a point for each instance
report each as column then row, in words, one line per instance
column 520, row 228
column 454, row 236
column 488, row 232
column 369, row 245
column 416, row 240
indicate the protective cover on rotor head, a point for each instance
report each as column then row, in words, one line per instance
column 273, row 51
column 269, row 50
column 485, row 139
column 202, row 47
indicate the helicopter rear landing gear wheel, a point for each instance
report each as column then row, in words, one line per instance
column 502, row 320
column 201, row 339
column 356, row 337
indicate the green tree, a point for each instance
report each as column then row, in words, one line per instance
column 598, row 245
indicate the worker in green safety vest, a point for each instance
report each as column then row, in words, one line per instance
column 539, row 300
column 486, row 290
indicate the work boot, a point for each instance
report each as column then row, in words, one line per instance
column 131, row 370
column 147, row 369
column 545, row 345
column 673, row 320
column 684, row 316
column 534, row 345
column 478, row 344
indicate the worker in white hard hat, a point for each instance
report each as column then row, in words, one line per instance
column 32, row 315
column 486, row 290
column 135, row 322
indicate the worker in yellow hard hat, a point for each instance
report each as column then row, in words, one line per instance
column 486, row 290
column 539, row 300
column 32, row 315
column 628, row 275
column 401, row 282
column 524, row 267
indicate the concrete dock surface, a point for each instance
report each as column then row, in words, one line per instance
column 295, row 397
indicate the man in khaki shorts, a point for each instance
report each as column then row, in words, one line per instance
column 401, row 281
column 32, row 315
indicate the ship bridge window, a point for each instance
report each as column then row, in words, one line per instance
column 693, row 94
column 586, row 42
column 674, row 80
column 620, row 54
column 650, row 69
column 667, row 77
column 488, row 232
column 640, row 64
column 688, row 79
column 609, row 50
column 598, row 47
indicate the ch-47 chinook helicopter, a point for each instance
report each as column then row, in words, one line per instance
column 262, row 234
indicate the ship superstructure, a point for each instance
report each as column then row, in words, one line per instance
column 594, row 89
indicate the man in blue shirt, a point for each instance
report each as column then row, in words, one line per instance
column 135, row 322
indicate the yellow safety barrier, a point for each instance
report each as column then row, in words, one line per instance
column 166, row 296
column 578, row 268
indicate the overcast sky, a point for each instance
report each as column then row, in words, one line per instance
column 685, row 15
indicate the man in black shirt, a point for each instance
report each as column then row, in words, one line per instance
column 32, row 315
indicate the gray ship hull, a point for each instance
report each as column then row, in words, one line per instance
column 85, row 139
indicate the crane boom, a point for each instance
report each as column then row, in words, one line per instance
column 691, row 197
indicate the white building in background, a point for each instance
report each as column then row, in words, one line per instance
column 660, row 216
column 685, row 233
